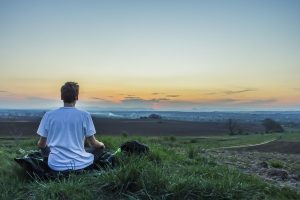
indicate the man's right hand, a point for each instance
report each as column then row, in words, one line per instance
column 93, row 142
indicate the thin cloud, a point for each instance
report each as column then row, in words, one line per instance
column 132, row 97
column 97, row 98
column 173, row 95
column 6, row 93
column 242, row 101
column 227, row 100
column 122, row 94
column 138, row 100
column 157, row 93
column 210, row 93
column 230, row 92
column 225, row 103
column 160, row 99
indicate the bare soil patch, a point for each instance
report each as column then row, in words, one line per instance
column 259, row 164
column 276, row 146
column 143, row 127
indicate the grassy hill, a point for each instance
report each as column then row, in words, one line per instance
column 176, row 168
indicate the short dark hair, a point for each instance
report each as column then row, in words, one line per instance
column 69, row 92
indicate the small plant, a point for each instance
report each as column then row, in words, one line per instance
column 192, row 152
column 124, row 134
column 233, row 158
column 172, row 138
column 193, row 140
column 276, row 164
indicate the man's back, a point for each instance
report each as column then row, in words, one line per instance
column 65, row 129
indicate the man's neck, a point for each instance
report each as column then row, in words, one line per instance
column 69, row 104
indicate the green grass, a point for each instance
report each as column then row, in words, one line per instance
column 174, row 169
column 290, row 137
column 276, row 163
column 223, row 141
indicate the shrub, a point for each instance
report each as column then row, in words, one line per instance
column 154, row 116
column 172, row 138
column 192, row 152
column 272, row 126
column 276, row 163
column 193, row 140
column 124, row 134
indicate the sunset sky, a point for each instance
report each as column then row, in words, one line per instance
column 225, row 55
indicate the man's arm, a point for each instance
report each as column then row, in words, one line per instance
column 93, row 142
column 42, row 142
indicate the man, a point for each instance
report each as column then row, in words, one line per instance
column 64, row 131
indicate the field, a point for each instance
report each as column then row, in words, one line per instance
column 217, row 167
column 147, row 127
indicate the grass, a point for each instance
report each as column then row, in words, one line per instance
column 174, row 169
column 223, row 141
column 290, row 137
column 276, row 163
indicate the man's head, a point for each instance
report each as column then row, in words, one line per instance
column 69, row 92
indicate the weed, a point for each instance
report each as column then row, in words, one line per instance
column 192, row 152
column 124, row 134
column 276, row 163
column 193, row 140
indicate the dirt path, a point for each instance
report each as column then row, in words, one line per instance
column 247, row 145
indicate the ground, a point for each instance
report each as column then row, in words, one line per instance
column 176, row 168
column 25, row 126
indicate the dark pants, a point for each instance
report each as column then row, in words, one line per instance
column 97, row 152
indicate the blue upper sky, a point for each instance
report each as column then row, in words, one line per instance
column 168, row 55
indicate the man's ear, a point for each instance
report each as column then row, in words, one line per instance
column 76, row 97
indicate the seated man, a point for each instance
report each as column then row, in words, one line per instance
column 64, row 131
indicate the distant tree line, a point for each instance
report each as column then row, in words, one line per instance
column 152, row 116
column 270, row 126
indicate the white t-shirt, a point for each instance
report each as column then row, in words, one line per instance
column 65, row 129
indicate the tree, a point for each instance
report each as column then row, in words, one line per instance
column 272, row 126
column 232, row 126
column 154, row 116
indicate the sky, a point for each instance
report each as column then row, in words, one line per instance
column 212, row 55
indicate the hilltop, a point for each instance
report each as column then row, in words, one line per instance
column 176, row 168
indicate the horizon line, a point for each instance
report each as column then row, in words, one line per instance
column 145, row 110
